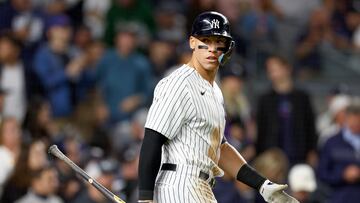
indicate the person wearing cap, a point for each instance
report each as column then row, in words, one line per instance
column 56, row 68
column 331, row 122
column 339, row 163
column 302, row 182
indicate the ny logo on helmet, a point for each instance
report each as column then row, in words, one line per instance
column 215, row 23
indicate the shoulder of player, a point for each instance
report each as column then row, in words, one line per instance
column 179, row 77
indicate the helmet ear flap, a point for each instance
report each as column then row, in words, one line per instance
column 224, row 58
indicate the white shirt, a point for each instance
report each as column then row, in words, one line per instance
column 7, row 165
column 13, row 81
column 189, row 111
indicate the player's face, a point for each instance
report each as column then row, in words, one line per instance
column 207, row 50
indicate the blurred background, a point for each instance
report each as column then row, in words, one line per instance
column 81, row 74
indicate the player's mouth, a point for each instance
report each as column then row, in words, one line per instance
column 212, row 59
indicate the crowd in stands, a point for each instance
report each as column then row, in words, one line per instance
column 80, row 74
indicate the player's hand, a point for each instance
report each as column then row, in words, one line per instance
column 274, row 193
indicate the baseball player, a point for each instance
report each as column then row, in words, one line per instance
column 184, row 146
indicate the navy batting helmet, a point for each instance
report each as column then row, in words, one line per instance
column 212, row 23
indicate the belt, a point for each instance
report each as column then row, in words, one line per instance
column 202, row 175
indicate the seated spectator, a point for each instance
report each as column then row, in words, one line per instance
column 38, row 123
column 302, row 182
column 332, row 121
column 273, row 164
column 129, row 162
column 103, row 172
column 32, row 157
column 43, row 187
column 10, row 147
column 339, row 164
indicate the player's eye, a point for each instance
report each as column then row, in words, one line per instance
column 205, row 40
column 222, row 49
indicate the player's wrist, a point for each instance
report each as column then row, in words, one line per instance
column 250, row 177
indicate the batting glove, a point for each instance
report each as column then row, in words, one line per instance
column 274, row 193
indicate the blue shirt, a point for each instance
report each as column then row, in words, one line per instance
column 120, row 77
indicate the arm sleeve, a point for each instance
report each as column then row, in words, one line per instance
column 149, row 164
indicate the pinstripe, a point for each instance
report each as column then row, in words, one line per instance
column 188, row 119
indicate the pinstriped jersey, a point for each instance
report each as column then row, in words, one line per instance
column 189, row 111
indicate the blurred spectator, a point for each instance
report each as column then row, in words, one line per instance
column 257, row 28
column 274, row 164
column 92, row 118
column 18, row 16
column 32, row 157
column 161, row 56
column 129, row 132
column 43, row 187
column 339, row 163
column 13, row 77
column 302, row 182
column 2, row 99
column 312, row 40
column 82, row 40
column 94, row 16
column 232, row 85
column 72, row 146
column 332, row 121
column 225, row 191
column 170, row 21
column 292, row 18
column 90, row 59
column 38, row 122
column 285, row 117
column 129, row 162
column 305, row 186
column 237, row 135
column 122, row 12
column 124, row 76
column 103, row 172
column 56, row 69
column 230, row 8
column 10, row 147
column 26, row 23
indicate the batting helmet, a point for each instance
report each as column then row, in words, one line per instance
column 212, row 23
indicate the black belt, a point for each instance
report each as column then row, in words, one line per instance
column 204, row 176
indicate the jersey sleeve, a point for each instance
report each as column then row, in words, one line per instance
column 170, row 108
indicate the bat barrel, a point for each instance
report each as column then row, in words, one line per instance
column 54, row 150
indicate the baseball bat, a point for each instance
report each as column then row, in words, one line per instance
column 56, row 152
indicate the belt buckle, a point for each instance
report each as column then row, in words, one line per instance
column 210, row 180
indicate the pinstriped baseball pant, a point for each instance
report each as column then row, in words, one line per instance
column 182, row 186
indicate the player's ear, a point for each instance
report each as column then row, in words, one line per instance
column 192, row 42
